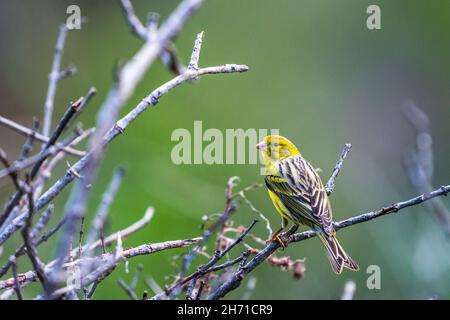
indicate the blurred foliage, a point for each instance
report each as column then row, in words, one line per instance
column 316, row 73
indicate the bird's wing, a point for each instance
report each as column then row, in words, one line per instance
column 302, row 192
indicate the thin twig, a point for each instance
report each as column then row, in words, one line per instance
column 30, row 161
column 116, row 130
column 30, row 246
column 103, row 210
column 329, row 187
column 50, row 233
column 200, row 290
column 349, row 290
column 17, row 287
column 84, row 102
column 31, row 276
column 29, row 143
column 107, row 262
column 13, row 175
column 38, row 136
column 217, row 226
column 67, row 72
column 128, row 290
column 135, row 24
column 41, row 157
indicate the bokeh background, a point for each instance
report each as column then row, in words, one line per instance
column 316, row 73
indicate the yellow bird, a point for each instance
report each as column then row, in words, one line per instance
column 298, row 194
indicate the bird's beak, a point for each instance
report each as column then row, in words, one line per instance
column 261, row 146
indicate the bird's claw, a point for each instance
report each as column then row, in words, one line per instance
column 277, row 238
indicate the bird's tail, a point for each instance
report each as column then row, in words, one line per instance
column 337, row 256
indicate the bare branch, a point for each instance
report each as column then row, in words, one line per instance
column 116, row 130
column 129, row 289
column 84, row 102
column 43, row 220
column 13, row 175
column 230, row 208
column 329, row 187
column 48, row 167
column 124, row 232
column 205, row 268
column 102, row 212
column 53, row 79
column 67, row 72
column 135, row 24
column 193, row 63
column 349, row 290
column 128, row 77
column 137, row 275
column 36, row 135
column 236, row 279
column 419, row 163
column 16, row 286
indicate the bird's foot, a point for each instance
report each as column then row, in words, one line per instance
column 277, row 238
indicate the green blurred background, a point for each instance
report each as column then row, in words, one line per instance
column 316, row 73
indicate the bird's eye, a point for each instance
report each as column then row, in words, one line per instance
column 276, row 144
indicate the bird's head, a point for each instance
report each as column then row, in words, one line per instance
column 276, row 148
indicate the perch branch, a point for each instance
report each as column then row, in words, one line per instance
column 36, row 135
